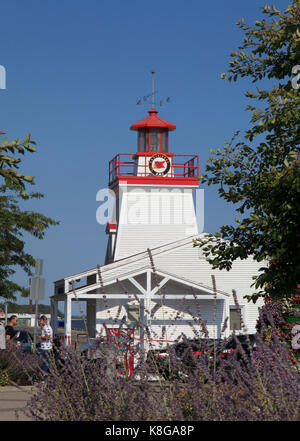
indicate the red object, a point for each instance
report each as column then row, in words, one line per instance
column 158, row 181
column 153, row 121
column 111, row 227
column 159, row 164
column 184, row 170
column 115, row 336
column 153, row 126
column 226, row 353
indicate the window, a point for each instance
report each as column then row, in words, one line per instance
column 143, row 142
column 155, row 140
column 158, row 140
column 235, row 319
column 133, row 316
column 164, row 141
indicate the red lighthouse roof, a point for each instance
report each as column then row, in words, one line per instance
column 153, row 121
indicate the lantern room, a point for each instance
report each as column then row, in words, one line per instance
column 153, row 133
column 153, row 159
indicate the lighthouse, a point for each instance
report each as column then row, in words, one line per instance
column 153, row 190
column 152, row 273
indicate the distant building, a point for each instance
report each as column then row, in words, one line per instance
column 24, row 319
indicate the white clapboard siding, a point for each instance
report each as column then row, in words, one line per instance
column 167, row 316
column 188, row 261
column 182, row 260
column 152, row 216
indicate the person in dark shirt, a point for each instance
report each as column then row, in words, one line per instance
column 10, row 333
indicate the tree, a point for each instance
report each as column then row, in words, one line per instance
column 15, row 308
column 9, row 164
column 259, row 171
column 14, row 221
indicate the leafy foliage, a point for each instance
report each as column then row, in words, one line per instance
column 13, row 307
column 14, row 221
column 9, row 163
column 284, row 316
column 259, row 172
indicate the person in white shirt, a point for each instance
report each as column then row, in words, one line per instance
column 46, row 342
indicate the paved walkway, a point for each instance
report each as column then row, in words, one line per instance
column 13, row 399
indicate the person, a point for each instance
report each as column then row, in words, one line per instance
column 10, row 332
column 46, row 342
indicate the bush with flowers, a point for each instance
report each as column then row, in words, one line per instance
column 285, row 314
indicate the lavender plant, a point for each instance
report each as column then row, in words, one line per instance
column 261, row 386
column 205, row 383
column 18, row 367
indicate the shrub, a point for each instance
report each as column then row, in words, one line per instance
column 4, row 377
column 261, row 386
column 17, row 366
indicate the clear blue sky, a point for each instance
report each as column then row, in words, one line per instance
column 74, row 72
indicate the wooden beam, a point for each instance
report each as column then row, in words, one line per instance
column 140, row 296
column 137, row 285
column 160, row 285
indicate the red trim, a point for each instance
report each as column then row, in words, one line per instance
column 154, row 180
column 185, row 170
column 153, row 153
column 111, row 227
column 153, row 121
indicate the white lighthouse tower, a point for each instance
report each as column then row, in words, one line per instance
column 152, row 273
column 153, row 190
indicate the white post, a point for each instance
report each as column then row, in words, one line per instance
column 227, row 314
column 52, row 314
column 35, row 324
column 6, row 312
column 55, row 316
column 142, row 324
column 2, row 337
column 147, row 306
column 67, row 320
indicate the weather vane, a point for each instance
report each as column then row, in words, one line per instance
column 145, row 99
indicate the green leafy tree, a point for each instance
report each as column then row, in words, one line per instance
column 9, row 163
column 14, row 221
column 259, row 170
